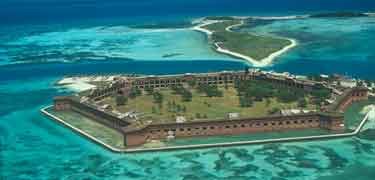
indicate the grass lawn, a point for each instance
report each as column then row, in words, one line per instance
column 99, row 131
column 207, row 107
column 256, row 47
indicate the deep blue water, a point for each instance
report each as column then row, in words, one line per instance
column 55, row 11
column 301, row 66
column 34, row 147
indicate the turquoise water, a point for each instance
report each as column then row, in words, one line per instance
column 94, row 37
column 345, row 43
column 109, row 42
column 34, row 147
column 327, row 39
column 247, row 137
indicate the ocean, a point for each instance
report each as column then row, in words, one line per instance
column 42, row 41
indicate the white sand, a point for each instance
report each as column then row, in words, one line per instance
column 205, row 23
column 280, row 17
column 76, row 83
column 261, row 63
column 370, row 14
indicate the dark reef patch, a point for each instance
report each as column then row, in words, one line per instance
column 171, row 55
column 336, row 161
column 224, row 162
column 241, row 154
column 338, row 15
column 368, row 134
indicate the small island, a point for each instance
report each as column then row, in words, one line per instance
column 258, row 50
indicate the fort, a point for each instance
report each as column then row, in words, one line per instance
column 137, row 131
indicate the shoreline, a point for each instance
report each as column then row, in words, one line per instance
column 256, row 63
column 75, row 84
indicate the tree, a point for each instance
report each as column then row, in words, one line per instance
column 187, row 96
column 287, row 96
column 158, row 97
column 198, row 115
column 121, row 100
column 134, row 92
column 153, row 109
column 320, row 95
column 192, row 82
column 169, row 104
column 360, row 83
column 302, row 103
column 184, row 109
column 210, row 91
column 368, row 83
column 178, row 108
column 274, row 110
column 246, row 101
column 149, row 90
column 268, row 101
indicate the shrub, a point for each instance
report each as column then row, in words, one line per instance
column 121, row 100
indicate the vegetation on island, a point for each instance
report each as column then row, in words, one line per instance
column 254, row 90
column 194, row 101
column 220, row 18
column 254, row 46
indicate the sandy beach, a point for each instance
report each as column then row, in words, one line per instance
column 205, row 23
column 75, row 83
column 257, row 63
column 79, row 84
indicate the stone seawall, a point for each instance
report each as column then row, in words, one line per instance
column 275, row 140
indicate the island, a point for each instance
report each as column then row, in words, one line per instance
column 256, row 49
column 128, row 113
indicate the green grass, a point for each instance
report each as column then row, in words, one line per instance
column 220, row 26
column 97, row 130
column 256, row 47
column 210, row 107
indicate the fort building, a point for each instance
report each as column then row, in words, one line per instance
column 135, row 134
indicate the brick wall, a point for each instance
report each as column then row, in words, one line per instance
column 357, row 94
column 206, row 128
column 235, row 127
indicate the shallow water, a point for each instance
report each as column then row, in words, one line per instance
column 42, row 149
column 340, row 40
column 107, row 42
